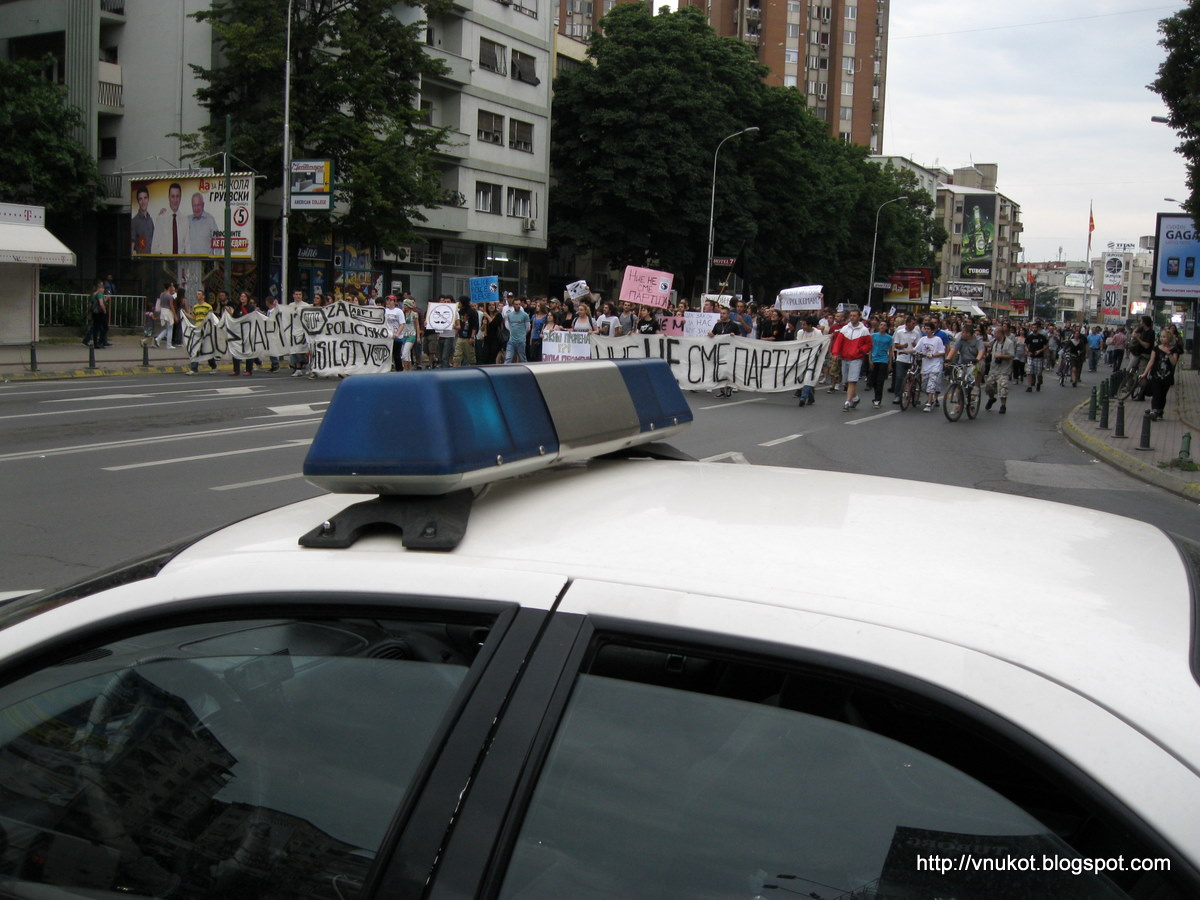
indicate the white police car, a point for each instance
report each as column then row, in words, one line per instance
column 608, row 679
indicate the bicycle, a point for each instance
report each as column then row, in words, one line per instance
column 1129, row 377
column 1066, row 368
column 910, row 388
column 962, row 393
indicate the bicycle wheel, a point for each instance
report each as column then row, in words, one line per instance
column 955, row 402
column 974, row 399
column 1125, row 388
column 1063, row 368
column 908, row 393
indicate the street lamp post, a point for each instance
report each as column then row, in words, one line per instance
column 712, row 204
column 875, row 241
column 284, row 296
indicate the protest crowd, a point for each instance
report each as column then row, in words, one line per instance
column 873, row 354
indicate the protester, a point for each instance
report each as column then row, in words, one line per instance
column 852, row 345
column 1004, row 350
column 1159, row 373
column 881, row 360
column 931, row 351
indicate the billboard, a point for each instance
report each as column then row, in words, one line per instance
column 186, row 216
column 909, row 285
column 979, row 235
column 312, row 184
column 1176, row 252
column 1114, row 278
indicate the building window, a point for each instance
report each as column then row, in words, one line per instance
column 848, row 38
column 846, row 113
column 823, row 38
column 108, row 148
column 793, row 7
column 426, row 112
column 792, row 56
column 566, row 63
column 793, row 30
column 846, row 138
column 525, row 7
column 523, row 68
column 847, row 88
column 789, row 80
column 848, row 65
column 491, row 127
column 491, row 56
column 520, row 135
column 487, row 197
column 826, row 13
column 520, row 203
column 851, row 12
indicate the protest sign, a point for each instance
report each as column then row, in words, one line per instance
column 717, row 299
column 723, row 361
column 699, row 324
column 646, row 287
column 672, row 325
column 806, row 297
column 577, row 289
column 342, row 339
column 565, row 346
column 485, row 289
column 439, row 316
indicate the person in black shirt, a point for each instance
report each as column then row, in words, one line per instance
column 1036, row 343
column 724, row 325
column 646, row 323
column 1159, row 372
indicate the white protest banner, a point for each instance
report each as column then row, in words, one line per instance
column 866, row 312
column 646, row 287
column 717, row 299
column 565, row 346
column 439, row 316
column 806, row 297
column 344, row 339
column 699, row 324
column 577, row 289
column 706, row 363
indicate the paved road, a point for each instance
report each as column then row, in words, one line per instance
column 96, row 471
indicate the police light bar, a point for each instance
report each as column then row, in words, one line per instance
column 447, row 429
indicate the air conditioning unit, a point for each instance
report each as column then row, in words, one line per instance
column 529, row 224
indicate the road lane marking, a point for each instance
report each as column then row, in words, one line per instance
column 734, row 403
column 297, row 442
column 246, row 484
column 732, row 456
column 240, row 391
column 139, row 442
column 296, row 409
column 782, row 440
column 890, row 412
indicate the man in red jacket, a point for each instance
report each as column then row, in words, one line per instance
column 852, row 344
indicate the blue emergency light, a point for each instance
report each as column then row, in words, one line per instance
column 444, row 430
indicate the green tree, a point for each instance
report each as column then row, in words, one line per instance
column 634, row 137
column 1178, row 84
column 43, row 162
column 355, row 71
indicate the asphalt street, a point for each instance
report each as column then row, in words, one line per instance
column 94, row 471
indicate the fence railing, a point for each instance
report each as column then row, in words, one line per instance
column 124, row 310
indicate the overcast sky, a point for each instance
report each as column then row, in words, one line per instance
column 1054, row 94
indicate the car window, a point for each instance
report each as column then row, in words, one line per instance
column 261, row 758
column 676, row 775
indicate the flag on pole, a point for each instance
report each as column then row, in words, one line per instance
column 1091, row 228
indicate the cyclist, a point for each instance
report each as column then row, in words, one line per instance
column 968, row 346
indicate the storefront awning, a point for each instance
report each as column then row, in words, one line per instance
column 32, row 244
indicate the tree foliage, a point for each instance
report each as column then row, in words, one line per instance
column 634, row 142
column 44, row 164
column 1178, row 84
column 355, row 71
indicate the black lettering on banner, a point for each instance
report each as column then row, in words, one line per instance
column 702, row 363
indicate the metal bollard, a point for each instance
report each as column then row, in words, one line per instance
column 1103, row 410
column 145, row 354
column 32, row 356
column 1145, row 442
column 1120, row 429
column 91, row 356
column 1114, row 382
column 1185, row 446
column 1105, row 393
column 1092, row 405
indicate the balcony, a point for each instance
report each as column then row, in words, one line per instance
column 458, row 68
column 457, row 145
column 445, row 218
column 112, row 10
column 109, row 90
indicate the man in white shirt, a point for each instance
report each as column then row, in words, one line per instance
column 903, row 341
column 931, row 352
column 170, row 226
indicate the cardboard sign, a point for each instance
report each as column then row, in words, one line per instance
column 577, row 289
column 439, row 316
column 646, row 287
column 485, row 289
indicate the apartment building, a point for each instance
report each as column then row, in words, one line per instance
column 127, row 64
column 835, row 51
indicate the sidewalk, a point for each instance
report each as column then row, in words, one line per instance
column 1182, row 417
column 68, row 358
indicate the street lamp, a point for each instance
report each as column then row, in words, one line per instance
column 875, row 241
column 712, row 205
column 284, row 296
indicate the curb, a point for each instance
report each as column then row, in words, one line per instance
column 1138, row 469
column 90, row 373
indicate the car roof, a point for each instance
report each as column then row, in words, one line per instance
column 1095, row 602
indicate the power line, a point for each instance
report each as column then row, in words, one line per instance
column 1128, row 12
